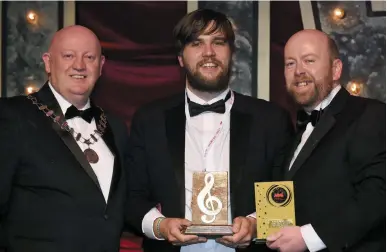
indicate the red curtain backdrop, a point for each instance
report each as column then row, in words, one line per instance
column 137, row 41
column 141, row 63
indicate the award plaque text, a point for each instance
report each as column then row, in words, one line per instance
column 209, row 205
column 274, row 203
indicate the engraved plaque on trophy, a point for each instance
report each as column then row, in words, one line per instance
column 209, row 205
column 274, row 203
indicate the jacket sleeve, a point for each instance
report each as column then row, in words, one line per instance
column 11, row 145
column 138, row 185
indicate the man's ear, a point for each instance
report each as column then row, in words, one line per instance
column 180, row 58
column 101, row 64
column 337, row 68
column 46, row 60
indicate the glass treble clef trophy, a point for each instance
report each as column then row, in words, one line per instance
column 209, row 205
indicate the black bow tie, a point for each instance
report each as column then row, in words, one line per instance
column 86, row 114
column 217, row 107
column 303, row 118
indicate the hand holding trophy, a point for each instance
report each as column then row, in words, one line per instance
column 210, row 212
column 171, row 230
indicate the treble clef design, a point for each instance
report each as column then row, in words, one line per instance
column 207, row 205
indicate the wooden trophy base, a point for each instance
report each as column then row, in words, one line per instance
column 259, row 241
column 209, row 231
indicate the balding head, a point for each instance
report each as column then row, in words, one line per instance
column 61, row 36
column 319, row 37
column 312, row 67
column 74, row 63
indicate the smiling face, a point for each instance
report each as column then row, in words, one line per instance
column 207, row 61
column 310, row 72
column 74, row 63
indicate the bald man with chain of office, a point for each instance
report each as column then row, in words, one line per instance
column 61, row 176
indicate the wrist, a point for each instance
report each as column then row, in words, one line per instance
column 253, row 222
column 156, row 227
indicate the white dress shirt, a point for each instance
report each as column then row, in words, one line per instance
column 311, row 238
column 200, row 130
column 103, row 169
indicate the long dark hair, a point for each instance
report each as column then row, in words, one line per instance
column 192, row 25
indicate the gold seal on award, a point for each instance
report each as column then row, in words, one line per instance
column 274, row 206
column 209, row 205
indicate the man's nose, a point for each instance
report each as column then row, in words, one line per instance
column 79, row 64
column 300, row 70
column 208, row 50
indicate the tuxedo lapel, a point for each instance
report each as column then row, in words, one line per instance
column 240, row 124
column 175, row 131
column 327, row 121
column 110, row 138
column 295, row 142
column 318, row 133
column 46, row 97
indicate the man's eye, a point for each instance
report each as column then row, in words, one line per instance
column 220, row 42
column 289, row 64
column 195, row 43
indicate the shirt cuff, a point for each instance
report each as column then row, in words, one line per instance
column 253, row 215
column 311, row 239
column 147, row 223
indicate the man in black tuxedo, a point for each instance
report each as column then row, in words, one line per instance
column 338, row 162
column 61, row 177
column 207, row 128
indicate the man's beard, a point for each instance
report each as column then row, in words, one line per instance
column 203, row 84
column 305, row 100
column 320, row 90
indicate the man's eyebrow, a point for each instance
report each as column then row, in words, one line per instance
column 309, row 54
column 220, row 37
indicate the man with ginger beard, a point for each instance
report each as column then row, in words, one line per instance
column 61, row 175
column 209, row 127
column 338, row 161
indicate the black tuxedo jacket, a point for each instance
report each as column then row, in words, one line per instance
column 340, row 175
column 258, row 135
column 50, row 198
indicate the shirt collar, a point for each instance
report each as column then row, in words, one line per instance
column 63, row 103
column 326, row 101
column 200, row 101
